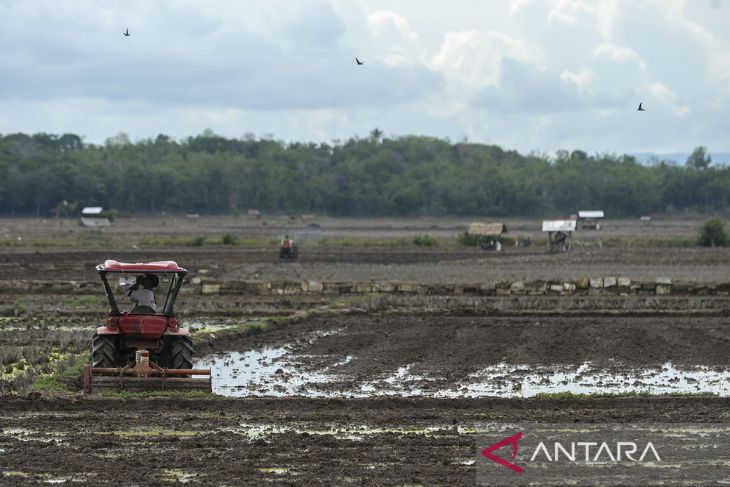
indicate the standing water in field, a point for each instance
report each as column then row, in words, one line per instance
column 274, row 372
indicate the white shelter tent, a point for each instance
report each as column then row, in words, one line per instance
column 589, row 219
column 560, row 234
column 91, row 217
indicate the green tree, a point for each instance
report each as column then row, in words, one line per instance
column 699, row 160
column 713, row 234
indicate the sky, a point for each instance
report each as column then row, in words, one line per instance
column 528, row 75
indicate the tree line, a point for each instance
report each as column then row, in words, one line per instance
column 376, row 175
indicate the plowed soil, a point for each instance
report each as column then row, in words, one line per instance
column 287, row 441
column 423, row 265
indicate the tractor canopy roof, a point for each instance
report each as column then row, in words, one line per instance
column 162, row 266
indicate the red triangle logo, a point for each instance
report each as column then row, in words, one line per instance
column 512, row 440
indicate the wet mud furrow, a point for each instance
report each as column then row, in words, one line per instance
column 296, row 441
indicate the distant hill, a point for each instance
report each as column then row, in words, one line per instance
column 718, row 158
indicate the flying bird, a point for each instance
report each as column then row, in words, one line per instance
column 359, row 63
column 126, row 34
column 641, row 109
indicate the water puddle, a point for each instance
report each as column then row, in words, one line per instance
column 506, row 380
column 280, row 372
column 264, row 372
column 270, row 372
column 177, row 476
column 25, row 434
column 274, row 470
column 254, row 431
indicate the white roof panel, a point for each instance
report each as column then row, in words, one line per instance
column 590, row 214
column 558, row 226
column 92, row 210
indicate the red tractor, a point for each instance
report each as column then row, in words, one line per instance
column 144, row 347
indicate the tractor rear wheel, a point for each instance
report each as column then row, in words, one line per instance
column 104, row 351
column 179, row 352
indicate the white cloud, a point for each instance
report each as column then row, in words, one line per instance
column 471, row 60
column 620, row 54
column 584, row 78
column 396, row 43
column 662, row 93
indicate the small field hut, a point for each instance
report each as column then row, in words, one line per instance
column 488, row 234
column 560, row 234
column 91, row 216
column 590, row 220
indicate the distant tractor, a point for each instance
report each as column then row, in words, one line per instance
column 143, row 348
column 288, row 248
column 489, row 235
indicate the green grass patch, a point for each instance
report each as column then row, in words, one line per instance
column 66, row 375
column 198, row 241
column 424, row 241
column 12, row 370
column 467, row 239
column 229, row 239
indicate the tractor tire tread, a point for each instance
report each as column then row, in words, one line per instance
column 180, row 355
column 104, row 352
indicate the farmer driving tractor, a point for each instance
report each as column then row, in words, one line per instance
column 141, row 293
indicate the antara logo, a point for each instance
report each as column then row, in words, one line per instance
column 512, row 440
column 581, row 451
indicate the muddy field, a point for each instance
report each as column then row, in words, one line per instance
column 375, row 390
column 453, row 265
column 287, row 441
column 450, row 356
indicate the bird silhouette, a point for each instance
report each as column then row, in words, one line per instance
column 359, row 63
column 640, row 108
column 126, row 34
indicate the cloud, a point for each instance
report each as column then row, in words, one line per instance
column 619, row 54
column 524, row 88
column 296, row 63
column 470, row 60
column 314, row 24
column 531, row 74
column 584, row 78
column 395, row 42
